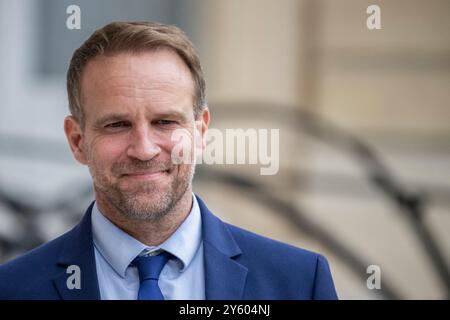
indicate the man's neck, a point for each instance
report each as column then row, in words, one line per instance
column 151, row 233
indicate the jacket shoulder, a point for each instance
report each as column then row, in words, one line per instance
column 251, row 242
column 302, row 273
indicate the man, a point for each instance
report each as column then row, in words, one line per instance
column 131, row 86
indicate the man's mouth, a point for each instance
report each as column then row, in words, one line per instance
column 147, row 174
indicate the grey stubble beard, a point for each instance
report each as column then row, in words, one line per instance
column 131, row 205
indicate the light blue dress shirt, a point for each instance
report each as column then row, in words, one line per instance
column 181, row 278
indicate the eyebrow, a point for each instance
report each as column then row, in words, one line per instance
column 112, row 117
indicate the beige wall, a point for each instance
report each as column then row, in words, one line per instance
column 253, row 50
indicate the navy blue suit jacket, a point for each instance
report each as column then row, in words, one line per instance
column 238, row 265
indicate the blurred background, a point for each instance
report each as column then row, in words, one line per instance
column 364, row 119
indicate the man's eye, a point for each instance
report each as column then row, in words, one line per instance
column 165, row 122
column 118, row 124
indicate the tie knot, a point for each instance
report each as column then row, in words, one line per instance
column 149, row 267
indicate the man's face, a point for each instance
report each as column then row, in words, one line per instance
column 132, row 104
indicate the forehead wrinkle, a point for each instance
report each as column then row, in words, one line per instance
column 131, row 86
column 158, row 93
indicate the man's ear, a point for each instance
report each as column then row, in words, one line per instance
column 75, row 138
column 202, row 127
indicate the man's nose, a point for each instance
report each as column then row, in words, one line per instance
column 143, row 145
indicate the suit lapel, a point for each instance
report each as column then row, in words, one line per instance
column 224, row 277
column 78, row 250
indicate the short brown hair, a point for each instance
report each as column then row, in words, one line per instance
column 119, row 37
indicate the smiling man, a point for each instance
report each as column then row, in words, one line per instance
column 132, row 103
column 131, row 87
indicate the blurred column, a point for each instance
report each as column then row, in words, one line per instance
column 253, row 50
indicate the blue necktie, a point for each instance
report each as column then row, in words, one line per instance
column 149, row 268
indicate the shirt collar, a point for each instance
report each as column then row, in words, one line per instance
column 119, row 248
